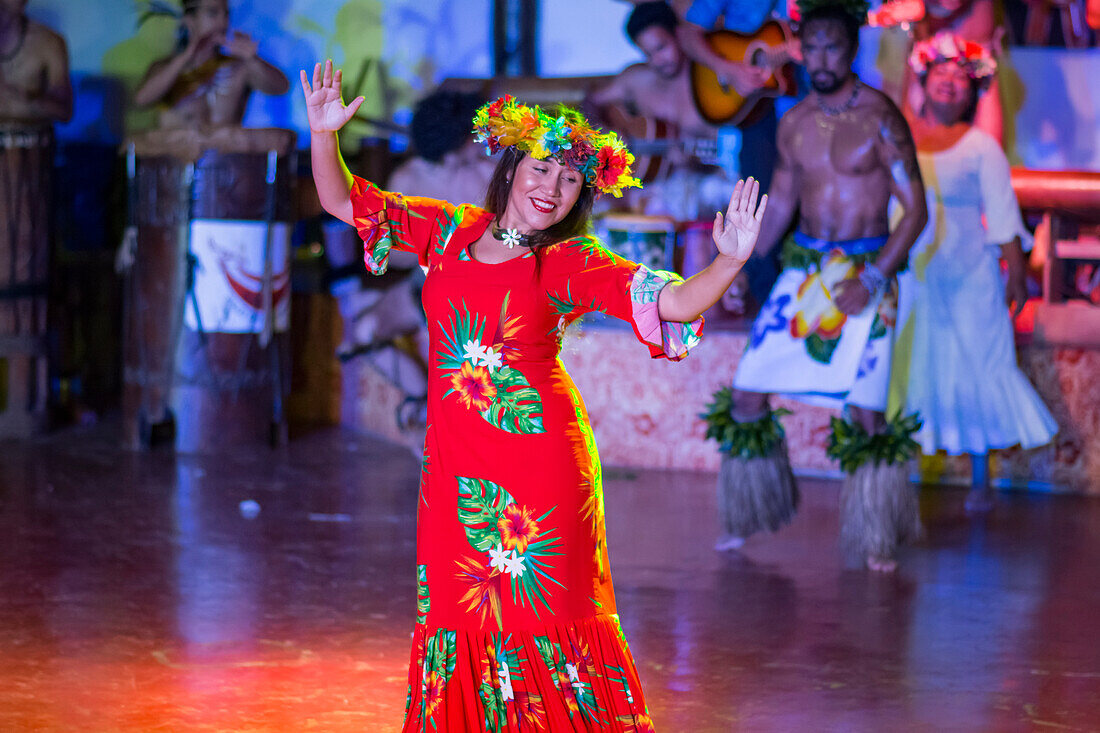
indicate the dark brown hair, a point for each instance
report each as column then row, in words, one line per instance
column 575, row 223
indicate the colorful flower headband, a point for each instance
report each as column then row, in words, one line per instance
column 973, row 57
column 601, row 156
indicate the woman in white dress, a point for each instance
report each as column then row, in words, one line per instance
column 955, row 358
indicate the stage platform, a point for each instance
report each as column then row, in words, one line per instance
column 645, row 412
column 138, row 593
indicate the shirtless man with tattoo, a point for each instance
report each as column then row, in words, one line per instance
column 826, row 331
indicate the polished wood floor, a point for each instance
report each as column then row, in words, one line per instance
column 137, row 593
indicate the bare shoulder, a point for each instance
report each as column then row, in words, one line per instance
column 635, row 76
column 874, row 101
column 893, row 129
column 794, row 118
column 47, row 41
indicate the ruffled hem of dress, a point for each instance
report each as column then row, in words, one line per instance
column 574, row 676
column 664, row 338
column 1000, row 411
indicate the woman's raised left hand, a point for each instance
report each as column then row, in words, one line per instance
column 735, row 233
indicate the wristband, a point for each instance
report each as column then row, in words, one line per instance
column 873, row 279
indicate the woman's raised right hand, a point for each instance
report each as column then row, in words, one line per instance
column 324, row 107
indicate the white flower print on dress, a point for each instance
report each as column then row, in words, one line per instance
column 574, row 679
column 474, row 352
column 498, row 558
column 491, row 359
column 514, row 565
column 505, row 678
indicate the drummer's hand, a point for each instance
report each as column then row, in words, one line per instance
column 324, row 107
column 197, row 45
column 735, row 233
column 241, row 46
column 852, row 296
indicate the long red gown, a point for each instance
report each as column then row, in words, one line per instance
column 516, row 628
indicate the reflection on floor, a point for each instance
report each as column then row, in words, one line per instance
column 138, row 593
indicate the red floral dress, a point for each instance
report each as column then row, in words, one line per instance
column 516, row 628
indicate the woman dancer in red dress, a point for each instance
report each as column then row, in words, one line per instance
column 517, row 627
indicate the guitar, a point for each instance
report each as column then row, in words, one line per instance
column 651, row 140
column 772, row 47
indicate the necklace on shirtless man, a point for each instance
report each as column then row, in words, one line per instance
column 839, row 109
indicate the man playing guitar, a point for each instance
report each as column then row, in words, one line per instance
column 663, row 87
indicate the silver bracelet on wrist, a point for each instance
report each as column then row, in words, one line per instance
column 873, row 279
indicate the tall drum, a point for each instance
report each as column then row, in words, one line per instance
column 26, row 188
column 208, row 293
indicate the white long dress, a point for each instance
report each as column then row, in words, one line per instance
column 955, row 356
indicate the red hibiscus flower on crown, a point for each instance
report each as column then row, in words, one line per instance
column 612, row 170
column 497, row 106
column 517, row 528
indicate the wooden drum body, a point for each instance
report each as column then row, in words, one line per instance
column 26, row 192
column 208, row 306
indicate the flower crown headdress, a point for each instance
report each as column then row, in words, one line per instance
column 974, row 58
column 601, row 157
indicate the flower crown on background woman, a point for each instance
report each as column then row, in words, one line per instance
column 601, row 157
column 973, row 58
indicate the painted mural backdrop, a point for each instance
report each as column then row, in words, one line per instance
column 392, row 51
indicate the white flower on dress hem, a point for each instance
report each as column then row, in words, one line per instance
column 491, row 359
column 574, row 679
column 474, row 352
column 498, row 558
column 505, row 678
column 514, row 565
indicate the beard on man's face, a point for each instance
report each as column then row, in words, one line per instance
column 826, row 82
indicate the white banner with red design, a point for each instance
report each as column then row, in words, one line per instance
column 227, row 294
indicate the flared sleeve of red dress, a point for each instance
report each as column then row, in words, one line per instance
column 583, row 276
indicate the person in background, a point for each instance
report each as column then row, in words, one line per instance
column 206, row 82
column 826, row 331
column 34, row 70
column 756, row 138
column 660, row 89
column 955, row 357
column 446, row 163
column 975, row 21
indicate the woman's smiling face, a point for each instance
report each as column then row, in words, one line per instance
column 543, row 193
column 948, row 90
